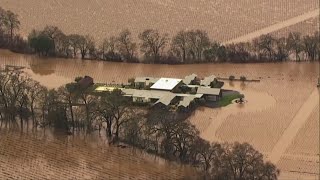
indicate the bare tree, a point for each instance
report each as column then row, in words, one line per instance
column 206, row 154
column 126, row 46
column 35, row 94
column 56, row 35
column 242, row 161
column 11, row 22
column 266, row 45
column 294, row 44
column 108, row 47
column 310, row 44
column 199, row 43
column 152, row 43
column 2, row 18
column 281, row 52
column 180, row 45
column 74, row 41
column 85, row 44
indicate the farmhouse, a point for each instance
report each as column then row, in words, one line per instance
column 164, row 92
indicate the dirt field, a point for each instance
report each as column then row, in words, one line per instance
column 223, row 19
column 33, row 156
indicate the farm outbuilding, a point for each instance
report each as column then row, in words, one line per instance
column 189, row 79
column 208, row 80
column 142, row 82
column 210, row 94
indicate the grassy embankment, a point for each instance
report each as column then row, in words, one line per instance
column 227, row 99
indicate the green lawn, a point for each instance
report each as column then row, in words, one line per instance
column 226, row 100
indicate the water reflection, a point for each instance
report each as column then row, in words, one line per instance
column 231, row 83
column 42, row 67
column 242, row 85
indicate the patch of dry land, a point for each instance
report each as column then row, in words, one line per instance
column 222, row 19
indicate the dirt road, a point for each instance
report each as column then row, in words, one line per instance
column 275, row 27
column 290, row 133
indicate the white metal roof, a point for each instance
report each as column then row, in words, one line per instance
column 166, row 83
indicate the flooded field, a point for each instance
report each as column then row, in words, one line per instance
column 280, row 118
column 222, row 19
column 40, row 156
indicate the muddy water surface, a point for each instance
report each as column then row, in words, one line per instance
column 273, row 105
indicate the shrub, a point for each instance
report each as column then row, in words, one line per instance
column 77, row 79
column 231, row 78
column 243, row 78
column 131, row 81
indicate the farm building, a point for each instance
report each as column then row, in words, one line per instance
column 142, row 82
column 189, row 79
column 145, row 95
column 164, row 92
column 166, row 100
column 167, row 84
column 208, row 80
column 210, row 94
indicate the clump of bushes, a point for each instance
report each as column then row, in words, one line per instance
column 243, row 78
column 231, row 78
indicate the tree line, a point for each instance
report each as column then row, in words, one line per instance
column 193, row 46
column 25, row 104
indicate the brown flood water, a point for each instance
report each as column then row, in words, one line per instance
column 42, row 156
column 281, row 108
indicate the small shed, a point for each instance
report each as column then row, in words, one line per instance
column 142, row 82
column 210, row 94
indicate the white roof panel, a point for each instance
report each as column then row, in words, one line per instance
column 166, row 83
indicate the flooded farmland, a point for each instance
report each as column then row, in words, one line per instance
column 224, row 20
column 43, row 156
column 282, row 107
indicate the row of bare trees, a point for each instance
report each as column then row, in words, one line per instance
column 171, row 136
column 185, row 47
column 193, row 46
